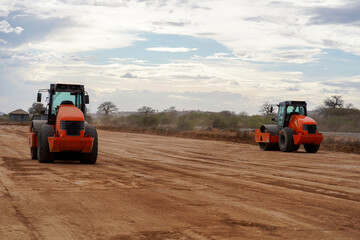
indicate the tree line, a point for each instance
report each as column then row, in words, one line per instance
column 334, row 114
column 108, row 107
column 333, row 102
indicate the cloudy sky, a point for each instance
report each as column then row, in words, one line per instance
column 209, row 55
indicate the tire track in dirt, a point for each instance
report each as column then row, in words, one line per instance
column 280, row 181
column 31, row 230
column 154, row 187
column 336, row 196
column 182, row 173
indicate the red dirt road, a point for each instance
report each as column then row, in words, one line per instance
column 153, row 187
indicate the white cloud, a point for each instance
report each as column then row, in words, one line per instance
column 169, row 49
column 230, row 76
column 216, row 56
column 253, row 30
column 347, row 82
column 3, row 41
column 6, row 6
column 188, row 98
column 170, row 81
column 138, row 61
column 297, row 56
column 120, row 59
column 266, row 31
column 6, row 28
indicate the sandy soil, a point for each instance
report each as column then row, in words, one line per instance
column 154, row 187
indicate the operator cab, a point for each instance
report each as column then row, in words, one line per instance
column 287, row 109
column 60, row 94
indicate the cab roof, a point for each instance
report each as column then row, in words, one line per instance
column 60, row 87
column 293, row 103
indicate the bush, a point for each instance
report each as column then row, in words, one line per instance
column 255, row 121
column 184, row 123
column 167, row 118
column 4, row 118
column 149, row 121
column 133, row 120
column 224, row 120
column 338, row 120
column 89, row 118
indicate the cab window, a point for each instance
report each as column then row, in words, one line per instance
column 281, row 114
column 295, row 109
column 58, row 97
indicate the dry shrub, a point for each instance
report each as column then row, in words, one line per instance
column 339, row 144
column 209, row 134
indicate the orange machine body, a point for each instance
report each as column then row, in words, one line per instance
column 33, row 138
column 62, row 141
column 265, row 137
column 300, row 136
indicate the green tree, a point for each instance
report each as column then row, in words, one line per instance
column 171, row 109
column 36, row 108
column 107, row 108
column 145, row 111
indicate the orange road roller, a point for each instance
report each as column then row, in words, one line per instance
column 65, row 131
column 293, row 128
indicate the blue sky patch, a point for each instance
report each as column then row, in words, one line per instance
column 334, row 63
column 34, row 28
column 200, row 46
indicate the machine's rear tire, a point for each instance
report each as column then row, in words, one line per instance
column 90, row 158
column 264, row 146
column 44, row 155
column 33, row 153
column 311, row 148
column 286, row 141
column 268, row 146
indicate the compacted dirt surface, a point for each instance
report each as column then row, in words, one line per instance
column 154, row 187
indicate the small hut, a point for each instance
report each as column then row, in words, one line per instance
column 19, row 115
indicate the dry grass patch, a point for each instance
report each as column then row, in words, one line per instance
column 338, row 144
